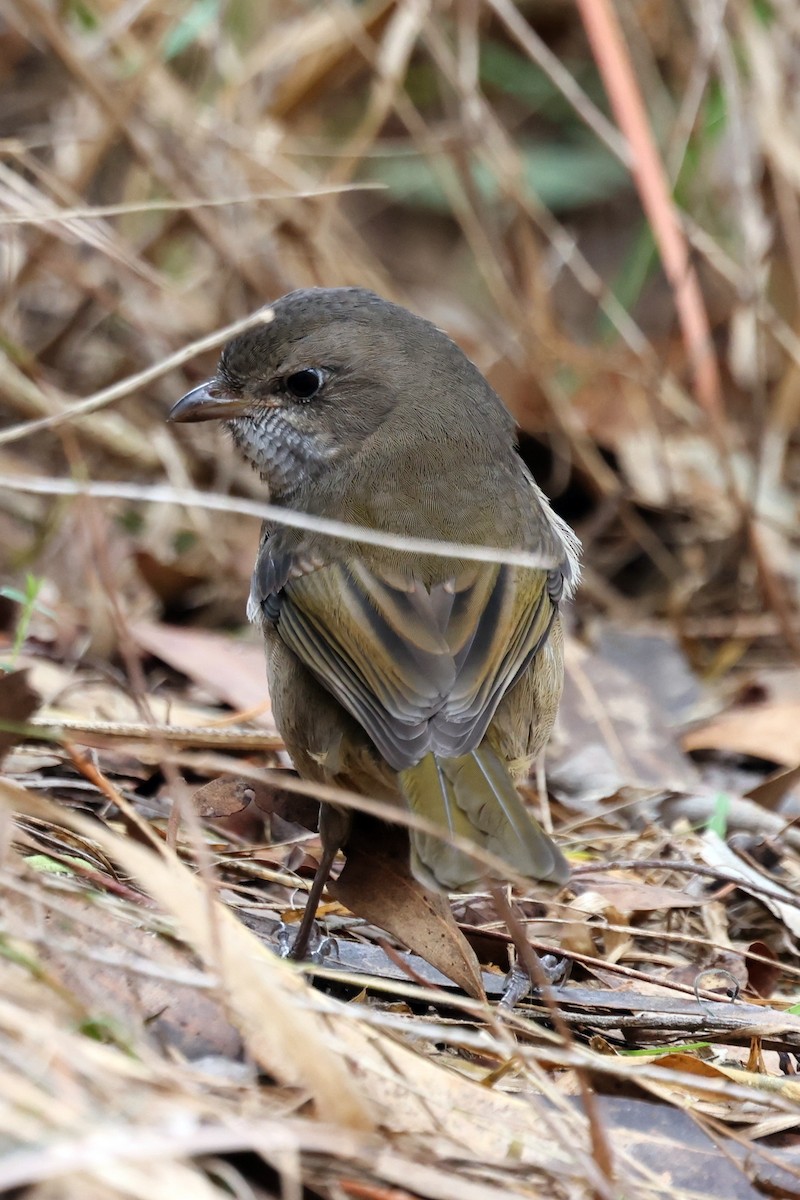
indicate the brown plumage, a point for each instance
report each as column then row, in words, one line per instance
column 422, row 680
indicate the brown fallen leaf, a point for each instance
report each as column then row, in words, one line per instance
column 232, row 804
column 376, row 883
column 719, row 971
column 233, row 671
column 18, row 701
column 612, row 732
column 629, row 896
column 769, row 730
column 62, row 845
column 264, row 995
column 705, row 1101
column 762, row 977
column 230, row 796
column 223, row 797
column 169, row 581
column 771, row 792
column 158, row 1004
column 355, row 1075
column 717, row 853
column 673, row 1146
column 289, row 806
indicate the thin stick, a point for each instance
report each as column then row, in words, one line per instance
column 601, row 1148
column 608, row 46
column 162, row 494
column 133, row 383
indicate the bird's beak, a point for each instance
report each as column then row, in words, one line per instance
column 208, row 402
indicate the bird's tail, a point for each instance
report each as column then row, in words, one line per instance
column 473, row 796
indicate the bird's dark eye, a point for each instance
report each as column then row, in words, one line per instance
column 305, row 384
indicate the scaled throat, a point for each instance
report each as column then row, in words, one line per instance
column 286, row 458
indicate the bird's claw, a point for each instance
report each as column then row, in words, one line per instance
column 516, row 986
column 320, row 945
column 557, row 970
column 518, row 983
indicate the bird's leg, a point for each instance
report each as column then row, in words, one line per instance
column 516, row 986
column 300, row 943
column 530, row 972
column 334, row 827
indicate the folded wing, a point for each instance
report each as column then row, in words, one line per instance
column 421, row 669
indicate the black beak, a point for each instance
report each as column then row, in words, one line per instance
column 208, row 402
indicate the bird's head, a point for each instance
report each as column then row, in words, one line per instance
column 327, row 368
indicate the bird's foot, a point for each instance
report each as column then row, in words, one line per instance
column 518, row 982
column 314, row 948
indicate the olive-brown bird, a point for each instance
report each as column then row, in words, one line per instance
column 418, row 679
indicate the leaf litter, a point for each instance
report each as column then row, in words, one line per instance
column 156, row 846
column 381, row 1041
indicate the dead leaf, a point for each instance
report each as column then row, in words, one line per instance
column 629, row 896
column 267, row 999
column 716, row 853
column 691, row 1065
column 718, row 970
column 168, row 581
column 151, row 1004
column 18, row 701
column 611, row 732
column 702, row 1099
column 654, row 658
column 78, row 700
column 376, row 883
column 743, row 816
column 356, row 1076
column 232, row 670
column 769, row 730
column 762, row 976
column 289, row 806
column 222, row 797
column 775, row 787
column 231, row 803
column 673, row 1147
column 62, row 845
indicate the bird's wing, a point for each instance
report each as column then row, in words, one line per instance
column 420, row 669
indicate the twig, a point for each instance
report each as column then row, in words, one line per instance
column 133, row 382
column 162, row 494
column 606, row 38
column 601, row 1146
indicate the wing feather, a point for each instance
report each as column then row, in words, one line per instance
column 421, row 669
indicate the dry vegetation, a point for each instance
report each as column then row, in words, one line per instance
column 165, row 170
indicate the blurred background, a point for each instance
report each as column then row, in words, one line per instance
column 168, row 167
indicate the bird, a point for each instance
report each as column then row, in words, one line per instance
column 426, row 681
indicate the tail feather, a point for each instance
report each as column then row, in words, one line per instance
column 474, row 796
column 487, row 795
column 435, row 861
